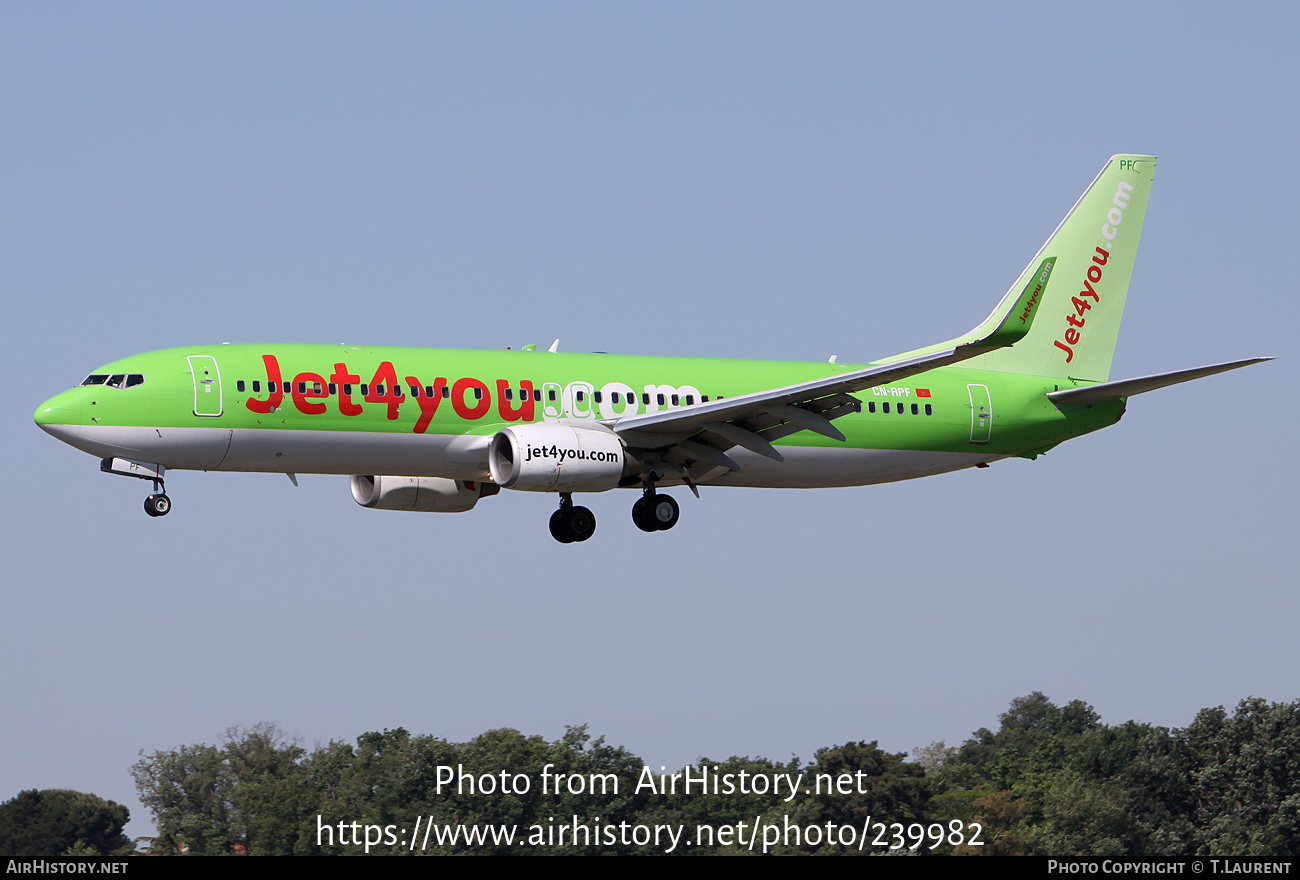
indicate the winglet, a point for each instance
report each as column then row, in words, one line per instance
column 1017, row 322
column 555, row 346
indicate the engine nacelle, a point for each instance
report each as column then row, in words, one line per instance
column 556, row 458
column 426, row 494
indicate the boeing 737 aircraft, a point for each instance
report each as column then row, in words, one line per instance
column 439, row 429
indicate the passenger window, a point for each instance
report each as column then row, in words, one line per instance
column 270, row 386
column 239, row 385
column 537, row 395
column 675, row 398
column 884, row 407
column 929, row 410
column 580, row 396
column 415, row 391
column 550, row 395
column 365, row 388
column 645, row 398
column 347, row 388
column 871, row 406
column 302, row 387
column 257, row 386
column 334, row 388
column 446, row 392
column 478, row 393
column 659, row 398
column 690, row 399
column 704, row 399
column 915, row 409
column 596, row 396
column 428, row 391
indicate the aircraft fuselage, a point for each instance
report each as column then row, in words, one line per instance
column 360, row 410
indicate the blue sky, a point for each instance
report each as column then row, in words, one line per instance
column 738, row 180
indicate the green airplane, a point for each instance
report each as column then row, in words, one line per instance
column 455, row 426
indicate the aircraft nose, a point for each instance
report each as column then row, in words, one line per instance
column 60, row 416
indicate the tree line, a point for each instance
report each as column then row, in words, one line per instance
column 1051, row 780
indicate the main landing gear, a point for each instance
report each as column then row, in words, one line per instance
column 654, row 512
column 570, row 524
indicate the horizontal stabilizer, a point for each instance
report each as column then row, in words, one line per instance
column 1091, row 395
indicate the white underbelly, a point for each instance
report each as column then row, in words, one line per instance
column 271, row 450
column 824, row 467
column 464, row 457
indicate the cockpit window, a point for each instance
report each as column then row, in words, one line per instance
column 117, row 380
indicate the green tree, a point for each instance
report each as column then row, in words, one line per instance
column 1017, row 783
column 998, row 815
column 1245, row 769
column 1084, row 817
column 882, row 787
column 250, row 793
column 723, row 805
column 53, row 821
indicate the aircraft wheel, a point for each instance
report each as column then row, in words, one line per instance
column 664, row 512
column 641, row 516
column 562, row 528
column 157, row 505
column 582, row 523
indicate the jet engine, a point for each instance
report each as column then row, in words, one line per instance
column 419, row 493
column 557, row 458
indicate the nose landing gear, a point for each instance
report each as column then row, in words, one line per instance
column 158, row 504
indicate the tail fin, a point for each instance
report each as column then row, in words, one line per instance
column 1094, row 246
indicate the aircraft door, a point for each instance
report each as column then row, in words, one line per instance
column 207, row 385
column 981, row 413
column 578, row 400
column 552, row 401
